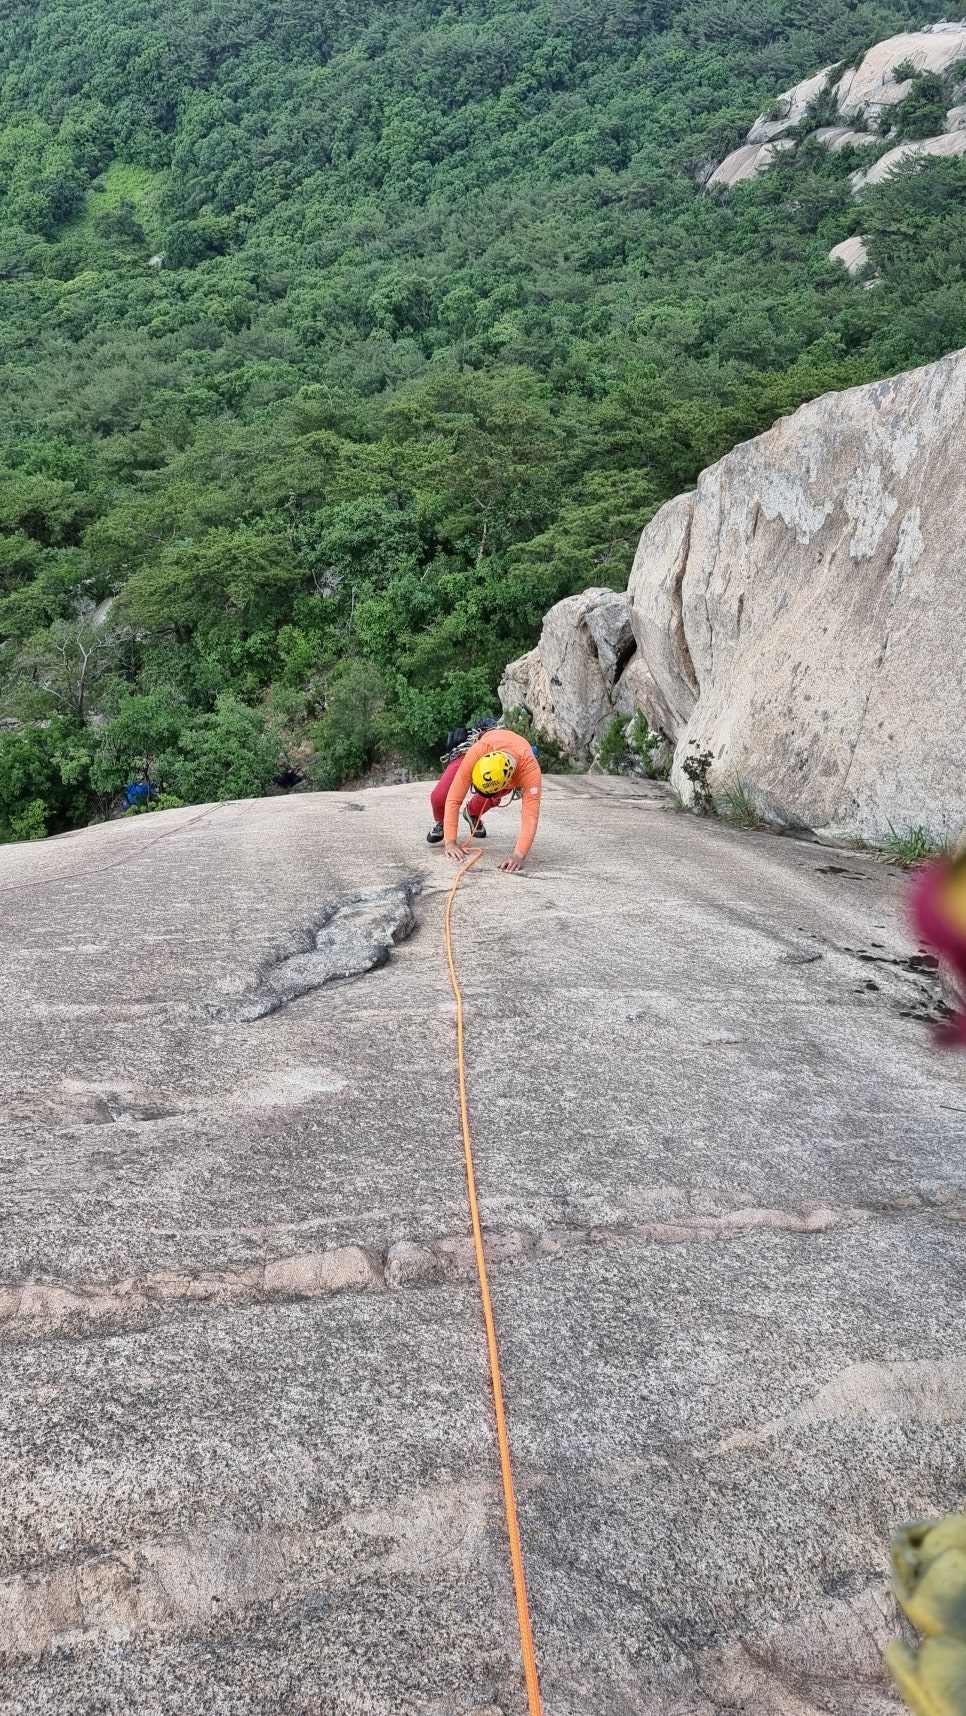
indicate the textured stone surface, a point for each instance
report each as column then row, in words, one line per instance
column 747, row 162
column 837, row 137
column 802, row 614
column 871, row 85
column 851, row 253
column 791, row 108
column 355, row 936
column 572, row 681
column 950, row 143
column 249, row 1466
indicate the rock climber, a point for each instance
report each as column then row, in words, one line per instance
column 937, row 906
column 495, row 766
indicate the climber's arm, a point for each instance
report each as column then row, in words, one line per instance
column 531, row 781
column 459, row 787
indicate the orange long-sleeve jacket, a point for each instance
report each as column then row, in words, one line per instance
column 526, row 776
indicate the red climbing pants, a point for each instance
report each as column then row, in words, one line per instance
column 477, row 804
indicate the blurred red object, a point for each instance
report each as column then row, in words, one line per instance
column 937, row 908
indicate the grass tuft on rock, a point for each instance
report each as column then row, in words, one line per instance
column 909, row 847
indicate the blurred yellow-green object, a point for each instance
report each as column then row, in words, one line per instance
column 929, row 1581
column 932, row 1680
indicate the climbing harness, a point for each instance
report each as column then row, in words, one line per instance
column 513, row 1530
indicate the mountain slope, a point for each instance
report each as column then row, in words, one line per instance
column 337, row 343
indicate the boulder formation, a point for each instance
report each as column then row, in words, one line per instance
column 573, row 683
column 861, row 97
column 837, row 137
column 852, row 254
column 799, row 617
column 748, row 161
column 872, row 85
column 948, row 144
column 790, row 108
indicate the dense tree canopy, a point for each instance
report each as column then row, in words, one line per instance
column 339, row 338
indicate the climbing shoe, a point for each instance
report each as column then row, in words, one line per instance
column 435, row 834
column 476, row 828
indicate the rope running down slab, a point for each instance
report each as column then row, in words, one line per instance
column 513, row 1530
column 113, row 863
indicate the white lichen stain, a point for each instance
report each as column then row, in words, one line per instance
column 903, row 447
column 780, row 495
column 870, row 508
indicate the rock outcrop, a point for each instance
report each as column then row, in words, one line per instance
column 802, row 613
column 837, row 137
column 790, row 108
column 573, row 682
column 949, row 144
column 860, row 95
column 799, row 618
column 852, row 254
column 747, row 162
column 872, row 85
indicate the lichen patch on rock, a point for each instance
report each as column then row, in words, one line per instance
column 354, row 935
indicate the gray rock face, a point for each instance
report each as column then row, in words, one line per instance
column 790, row 107
column 852, row 254
column 836, row 137
column 949, row 144
column 572, row 682
column 801, row 615
column 871, row 86
column 747, row 162
column 860, row 95
column 353, row 937
column 249, row 1460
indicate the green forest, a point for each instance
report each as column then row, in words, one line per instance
column 340, row 338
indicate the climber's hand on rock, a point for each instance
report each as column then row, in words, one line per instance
column 455, row 851
column 514, row 862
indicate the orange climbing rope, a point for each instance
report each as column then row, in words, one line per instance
column 516, row 1553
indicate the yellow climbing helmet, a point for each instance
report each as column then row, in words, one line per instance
column 492, row 774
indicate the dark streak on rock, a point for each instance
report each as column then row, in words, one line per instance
column 353, row 936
